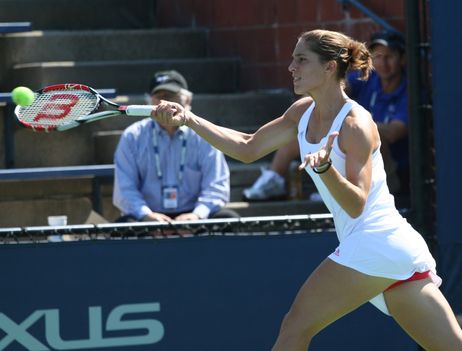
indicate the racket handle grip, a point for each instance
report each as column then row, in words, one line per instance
column 139, row 110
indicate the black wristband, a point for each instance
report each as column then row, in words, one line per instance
column 323, row 168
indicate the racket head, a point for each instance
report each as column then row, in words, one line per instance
column 61, row 107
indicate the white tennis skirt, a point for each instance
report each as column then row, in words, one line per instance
column 396, row 254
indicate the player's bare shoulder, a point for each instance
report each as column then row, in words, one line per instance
column 359, row 117
column 298, row 108
column 359, row 124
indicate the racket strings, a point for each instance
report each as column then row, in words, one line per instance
column 57, row 108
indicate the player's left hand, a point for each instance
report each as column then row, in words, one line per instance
column 320, row 157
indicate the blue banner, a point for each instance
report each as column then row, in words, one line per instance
column 224, row 293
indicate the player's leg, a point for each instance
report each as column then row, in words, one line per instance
column 330, row 292
column 422, row 311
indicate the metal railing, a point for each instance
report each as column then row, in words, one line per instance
column 364, row 9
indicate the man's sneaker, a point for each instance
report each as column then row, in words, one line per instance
column 269, row 186
column 315, row 197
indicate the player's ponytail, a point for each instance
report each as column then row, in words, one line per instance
column 360, row 59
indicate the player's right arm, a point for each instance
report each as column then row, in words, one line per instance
column 245, row 147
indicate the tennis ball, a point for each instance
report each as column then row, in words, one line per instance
column 22, row 96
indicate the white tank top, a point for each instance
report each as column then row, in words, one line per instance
column 379, row 213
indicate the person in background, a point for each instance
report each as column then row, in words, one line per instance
column 165, row 173
column 384, row 95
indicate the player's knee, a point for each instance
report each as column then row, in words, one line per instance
column 298, row 324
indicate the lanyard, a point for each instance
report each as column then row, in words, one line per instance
column 372, row 102
column 157, row 156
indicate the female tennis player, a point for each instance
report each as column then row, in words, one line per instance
column 380, row 258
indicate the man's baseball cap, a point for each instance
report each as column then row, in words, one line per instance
column 391, row 39
column 168, row 80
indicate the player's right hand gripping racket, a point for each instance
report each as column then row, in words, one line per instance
column 64, row 106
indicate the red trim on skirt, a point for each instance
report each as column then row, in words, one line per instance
column 415, row 276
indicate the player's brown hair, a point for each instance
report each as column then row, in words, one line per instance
column 349, row 54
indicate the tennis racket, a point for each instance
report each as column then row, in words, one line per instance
column 63, row 106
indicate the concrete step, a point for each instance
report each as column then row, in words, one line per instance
column 69, row 148
column 34, row 212
column 217, row 75
column 14, row 190
column 82, row 14
column 46, row 46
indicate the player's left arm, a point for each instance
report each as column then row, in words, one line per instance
column 358, row 139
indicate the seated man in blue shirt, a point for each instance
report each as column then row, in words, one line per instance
column 384, row 95
column 165, row 173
